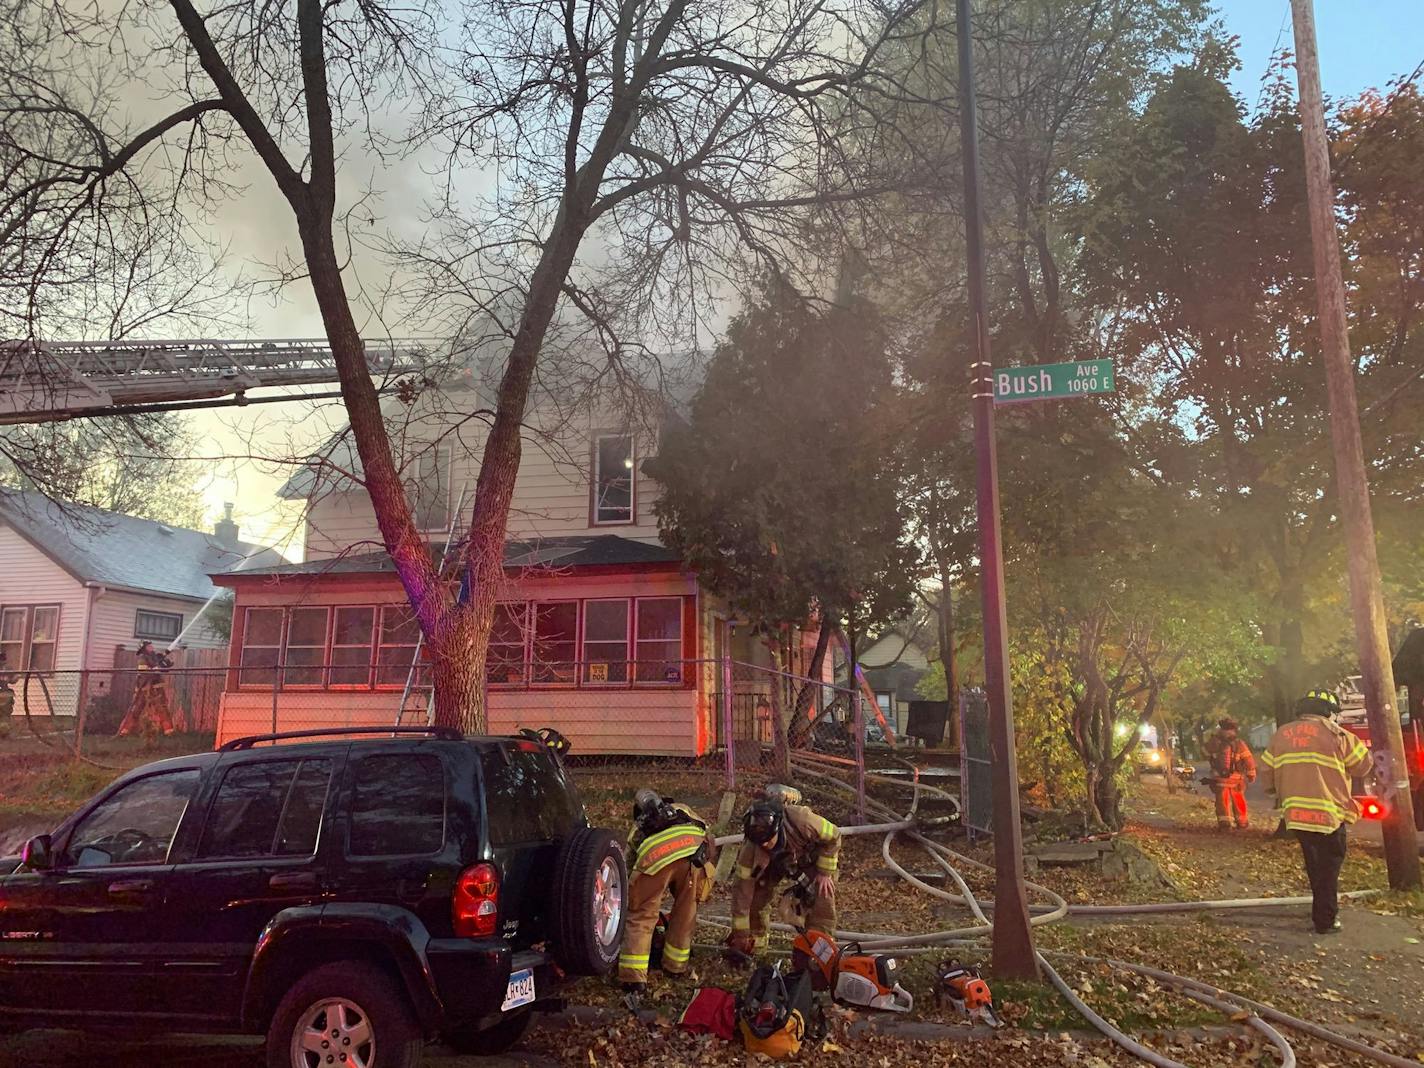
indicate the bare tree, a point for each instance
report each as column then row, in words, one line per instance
column 638, row 152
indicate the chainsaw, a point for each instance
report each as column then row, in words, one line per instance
column 965, row 990
column 854, row 977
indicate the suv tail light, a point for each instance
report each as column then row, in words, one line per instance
column 474, row 909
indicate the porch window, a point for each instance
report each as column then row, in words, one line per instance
column 261, row 646
column 556, row 641
column 506, row 644
column 351, row 633
column 659, row 647
column 29, row 637
column 306, row 647
column 605, row 641
column 612, row 479
column 400, row 633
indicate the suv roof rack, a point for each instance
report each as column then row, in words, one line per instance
column 449, row 734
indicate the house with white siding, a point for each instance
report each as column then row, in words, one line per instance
column 601, row 631
column 80, row 586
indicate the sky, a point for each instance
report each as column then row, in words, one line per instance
column 1363, row 44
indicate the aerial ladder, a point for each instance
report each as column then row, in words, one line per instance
column 53, row 380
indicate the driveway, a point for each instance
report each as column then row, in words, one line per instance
column 67, row 1049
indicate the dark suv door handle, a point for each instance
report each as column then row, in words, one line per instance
column 131, row 889
column 294, row 882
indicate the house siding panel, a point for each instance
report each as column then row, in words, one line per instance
column 114, row 618
column 29, row 577
column 551, row 497
column 649, row 721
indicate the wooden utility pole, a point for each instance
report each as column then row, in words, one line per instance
column 1013, row 952
column 1352, row 486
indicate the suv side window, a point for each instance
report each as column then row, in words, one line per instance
column 267, row 808
column 136, row 824
column 398, row 808
column 525, row 796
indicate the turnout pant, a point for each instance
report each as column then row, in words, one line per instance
column 1324, row 854
column 645, row 902
column 820, row 917
column 1229, row 796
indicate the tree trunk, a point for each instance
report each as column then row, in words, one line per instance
column 1108, row 800
column 807, row 693
column 781, row 751
column 457, row 674
column 946, row 650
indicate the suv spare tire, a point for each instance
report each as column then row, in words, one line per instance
column 588, row 902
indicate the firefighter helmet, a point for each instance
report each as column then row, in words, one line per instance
column 647, row 804
column 1318, row 703
column 762, row 822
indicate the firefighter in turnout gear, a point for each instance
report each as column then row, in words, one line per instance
column 1310, row 765
column 671, row 849
column 1232, row 768
column 783, row 842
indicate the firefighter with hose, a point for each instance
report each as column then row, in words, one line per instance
column 1310, row 765
column 672, row 849
column 783, row 840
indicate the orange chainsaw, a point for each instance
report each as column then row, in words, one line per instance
column 965, row 989
column 854, row 977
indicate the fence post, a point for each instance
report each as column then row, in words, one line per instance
column 727, row 722
column 858, row 721
column 276, row 675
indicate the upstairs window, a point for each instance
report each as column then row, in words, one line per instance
column 612, row 479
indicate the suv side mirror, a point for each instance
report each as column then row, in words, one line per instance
column 38, row 854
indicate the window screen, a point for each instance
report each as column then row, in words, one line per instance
column 605, row 641
column 399, row 805
column 157, row 626
column 613, row 479
column 555, row 641
column 659, row 639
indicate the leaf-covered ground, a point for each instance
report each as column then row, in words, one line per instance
column 1361, row 982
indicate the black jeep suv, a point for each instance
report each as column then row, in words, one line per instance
column 346, row 896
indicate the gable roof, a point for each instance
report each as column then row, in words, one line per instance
column 95, row 545
column 555, row 554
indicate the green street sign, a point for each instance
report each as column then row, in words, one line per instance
column 1049, row 381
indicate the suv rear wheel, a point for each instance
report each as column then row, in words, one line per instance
column 344, row 1015
column 590, row 888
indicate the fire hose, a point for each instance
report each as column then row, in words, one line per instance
column 1257, row 1013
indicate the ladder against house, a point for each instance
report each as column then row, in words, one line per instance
column 41, row 381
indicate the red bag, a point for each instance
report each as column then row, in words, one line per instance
column 712, row 1011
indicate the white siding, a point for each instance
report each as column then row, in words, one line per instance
column 894, row 649
column 551, row 497
column 115, row 614
column 29, row 577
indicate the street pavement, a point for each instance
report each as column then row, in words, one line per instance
column 68, row 1049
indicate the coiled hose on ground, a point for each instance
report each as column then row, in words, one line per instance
column 1054, row 908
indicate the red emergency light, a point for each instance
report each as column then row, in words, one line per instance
column 1371, row 808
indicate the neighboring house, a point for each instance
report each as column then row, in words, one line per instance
column 77, row 584
column 601, row 633
column 893, row 665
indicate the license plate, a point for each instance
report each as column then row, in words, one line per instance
column 520, row 990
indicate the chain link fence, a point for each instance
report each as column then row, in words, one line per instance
column 721, row 724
